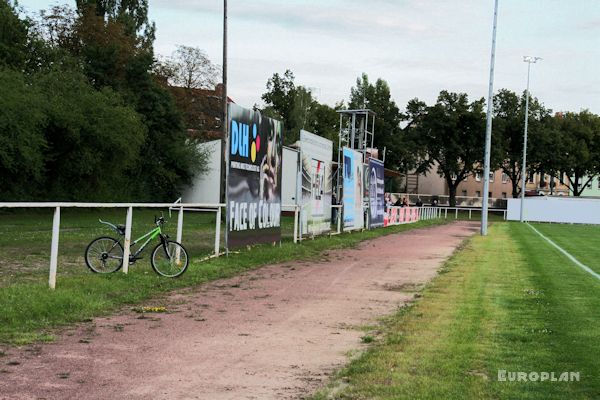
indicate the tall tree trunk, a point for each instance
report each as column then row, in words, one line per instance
column 452, row 194
column 515, row 186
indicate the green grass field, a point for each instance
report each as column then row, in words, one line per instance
column 508, row 301
column 31, row 312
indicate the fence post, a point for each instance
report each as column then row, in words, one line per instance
column 296, row 223
column 218, row 232
column 54, row 248
column 339, row 219
column 469, row 213
column 455, row 213
column 504, row 215
column 446, row 213
column 127, row 242
column 179, row 233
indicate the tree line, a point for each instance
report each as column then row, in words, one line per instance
column 447, row 138
column 83, row 113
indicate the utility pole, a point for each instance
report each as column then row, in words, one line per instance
column 488, row 130
column 529, row 60
column 225, row 123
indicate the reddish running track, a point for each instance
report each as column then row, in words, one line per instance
column 271, row 333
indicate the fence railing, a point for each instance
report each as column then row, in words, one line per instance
column 419, row 213
column 180, row 207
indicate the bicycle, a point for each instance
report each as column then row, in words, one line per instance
column 104, row 255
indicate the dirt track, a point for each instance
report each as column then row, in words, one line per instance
column 272, row 333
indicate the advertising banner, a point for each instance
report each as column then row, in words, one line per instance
column 401, row 215
column 254, row 178
column 353, row 190
column 316, row 153
column 375, row 182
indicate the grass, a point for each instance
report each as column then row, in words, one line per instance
column 579, row 240
column 508, row 301
column 31, row 312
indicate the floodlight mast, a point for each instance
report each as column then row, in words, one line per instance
column 488, row 130
column 529, row 60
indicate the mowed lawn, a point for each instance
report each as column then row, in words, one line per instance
column 581, row 241
column 508, row 301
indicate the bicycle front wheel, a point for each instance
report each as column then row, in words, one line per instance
column 104, row 255
column 169, row 259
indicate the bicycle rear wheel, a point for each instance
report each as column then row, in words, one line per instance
column 169, row 259
column 104, row 255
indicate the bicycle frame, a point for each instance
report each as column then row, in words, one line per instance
column 150, row 235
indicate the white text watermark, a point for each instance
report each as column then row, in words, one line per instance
column 534, row 376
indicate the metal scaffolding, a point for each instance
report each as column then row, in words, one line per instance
column 357, row 131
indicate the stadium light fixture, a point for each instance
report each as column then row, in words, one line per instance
column 488, row 130
column 529, row 60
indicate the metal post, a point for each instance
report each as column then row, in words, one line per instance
column 469, row 213
column 218, row 232
column 529, row 61
column 446, row 214
column 456, row 213
column 488, row 129
column 225, row 127
column 179, row 234
column 127, row 243
column 54, row 248
column 296, row 224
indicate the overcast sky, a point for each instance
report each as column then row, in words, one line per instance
column 418, row 46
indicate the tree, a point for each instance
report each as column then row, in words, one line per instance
column 509, row 116
column 189, row 67
column 296, row 107
column 13, row 36
column 578, row 151
column 388, row 132
column 92, row 138
column 22, row 142
column 451, row 134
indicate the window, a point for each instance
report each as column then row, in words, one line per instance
column 503, row 195
column 531, row 180
column 562, row 178
column 504, row 178
column 453, row 177
column 492, row 176
column 464, row 193
column 478, row 194
column 589, row 185
column 478, row 176
column 490, row 195
column 599, row 183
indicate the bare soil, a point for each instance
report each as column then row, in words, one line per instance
column 277, row 332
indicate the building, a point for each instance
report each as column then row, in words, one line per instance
column 592, row 188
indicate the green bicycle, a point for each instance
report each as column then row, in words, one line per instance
column 104, row 255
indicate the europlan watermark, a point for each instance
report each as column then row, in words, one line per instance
column 534, row 376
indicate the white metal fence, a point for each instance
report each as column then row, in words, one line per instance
column 180, row 207
column 421, row 213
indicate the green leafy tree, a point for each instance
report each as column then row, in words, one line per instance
column 92, row 138
column 400, row 148
column 22, row 141
column 577, row 150
column 296, row 107
column 508, row 127
column 451, row 134
column 14, row 36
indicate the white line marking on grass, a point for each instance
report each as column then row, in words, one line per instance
column 569, row 256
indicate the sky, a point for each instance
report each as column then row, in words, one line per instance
column 419, row 47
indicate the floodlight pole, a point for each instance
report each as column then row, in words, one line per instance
column 529, row 60
column 225, row 124
column 488, row 130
